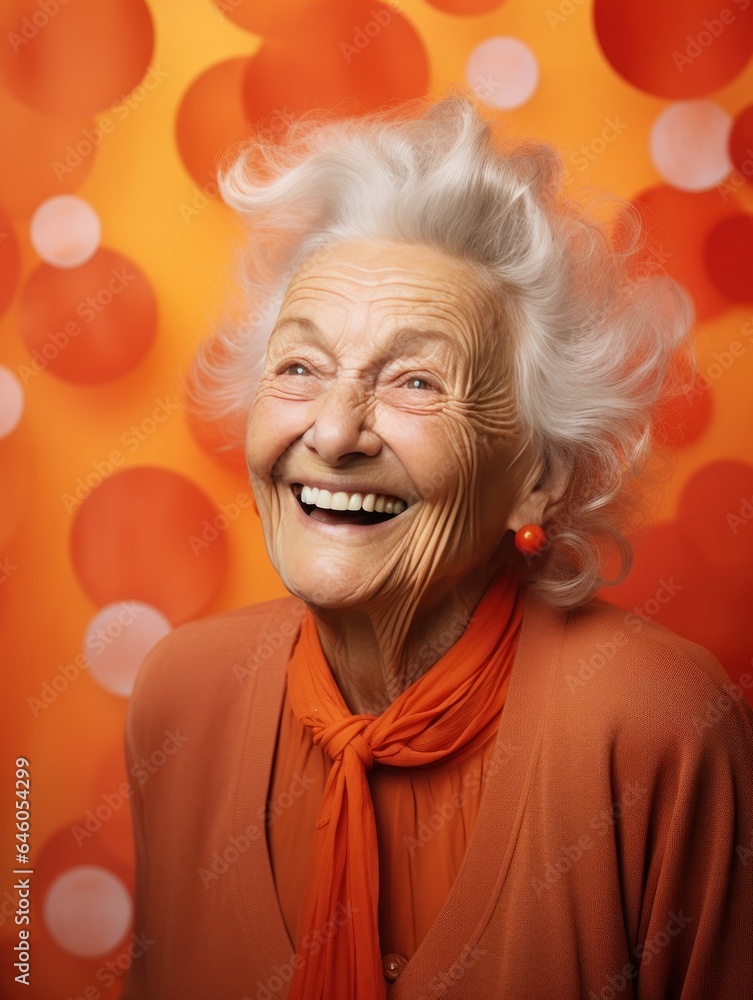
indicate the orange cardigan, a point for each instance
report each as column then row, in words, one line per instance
column 611, row 854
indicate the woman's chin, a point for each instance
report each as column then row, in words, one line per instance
column 326, row 586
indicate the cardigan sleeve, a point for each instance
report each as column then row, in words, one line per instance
column 149, row 711
column 190, row 691
column 696, row 939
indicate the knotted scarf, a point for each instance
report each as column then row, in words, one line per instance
column 446, row 714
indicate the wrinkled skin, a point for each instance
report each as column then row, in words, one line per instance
column 349, row 401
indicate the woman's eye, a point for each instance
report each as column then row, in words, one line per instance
column 418, row 382
column 296, row 369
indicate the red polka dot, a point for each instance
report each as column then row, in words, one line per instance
column 210, row 117
column 678, row 48
column 676, row 224
column 74, row 58
column 352, row 58
column 741, row 146
column 361, row 55
column 50, row 155
column 715, row 514
column 88, row 324
column 151, row 535
column 729, row 257
column 211, row 438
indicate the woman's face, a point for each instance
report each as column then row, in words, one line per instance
column 385, row 379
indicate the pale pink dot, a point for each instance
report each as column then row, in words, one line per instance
column 117, row 640
column 503, row 72
column 689, row 145
column 87, row 911
column 65, row 231
column 11, row 401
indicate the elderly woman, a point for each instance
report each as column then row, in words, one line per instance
column 441, row 767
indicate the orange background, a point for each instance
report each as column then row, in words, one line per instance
column 168, row 84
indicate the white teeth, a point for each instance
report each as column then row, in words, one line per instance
column 379, row 502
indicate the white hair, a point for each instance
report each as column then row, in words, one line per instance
column 593, row 323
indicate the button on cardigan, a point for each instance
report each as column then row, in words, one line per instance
column 611, row 855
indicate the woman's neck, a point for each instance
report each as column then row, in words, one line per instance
column 376, row 654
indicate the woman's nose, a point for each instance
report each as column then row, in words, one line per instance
column 342, row 424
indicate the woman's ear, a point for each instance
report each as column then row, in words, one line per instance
column 541, row 495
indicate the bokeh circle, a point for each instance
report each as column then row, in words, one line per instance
column 729, row 257
column 358, row 56
column 677, row 48
column 87, row 910
column 50, row 155
column 210, row 117
column 503, row 72
column 88, row 324
column 11, row 401
column 76, row 57
column 677, row 225
column 117, row 640
column 714, row 514
column 741, row 144
column 65, row 231
column 689, row 145
column 152, row 535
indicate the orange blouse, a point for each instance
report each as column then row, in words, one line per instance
column 424, row 815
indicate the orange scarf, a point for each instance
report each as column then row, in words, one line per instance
column 446, row 714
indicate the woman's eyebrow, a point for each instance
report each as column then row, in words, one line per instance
column 409, row 335
column 405, row 337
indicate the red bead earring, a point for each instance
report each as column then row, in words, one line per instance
column 530, row 539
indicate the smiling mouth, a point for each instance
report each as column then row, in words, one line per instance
column 347, row 508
